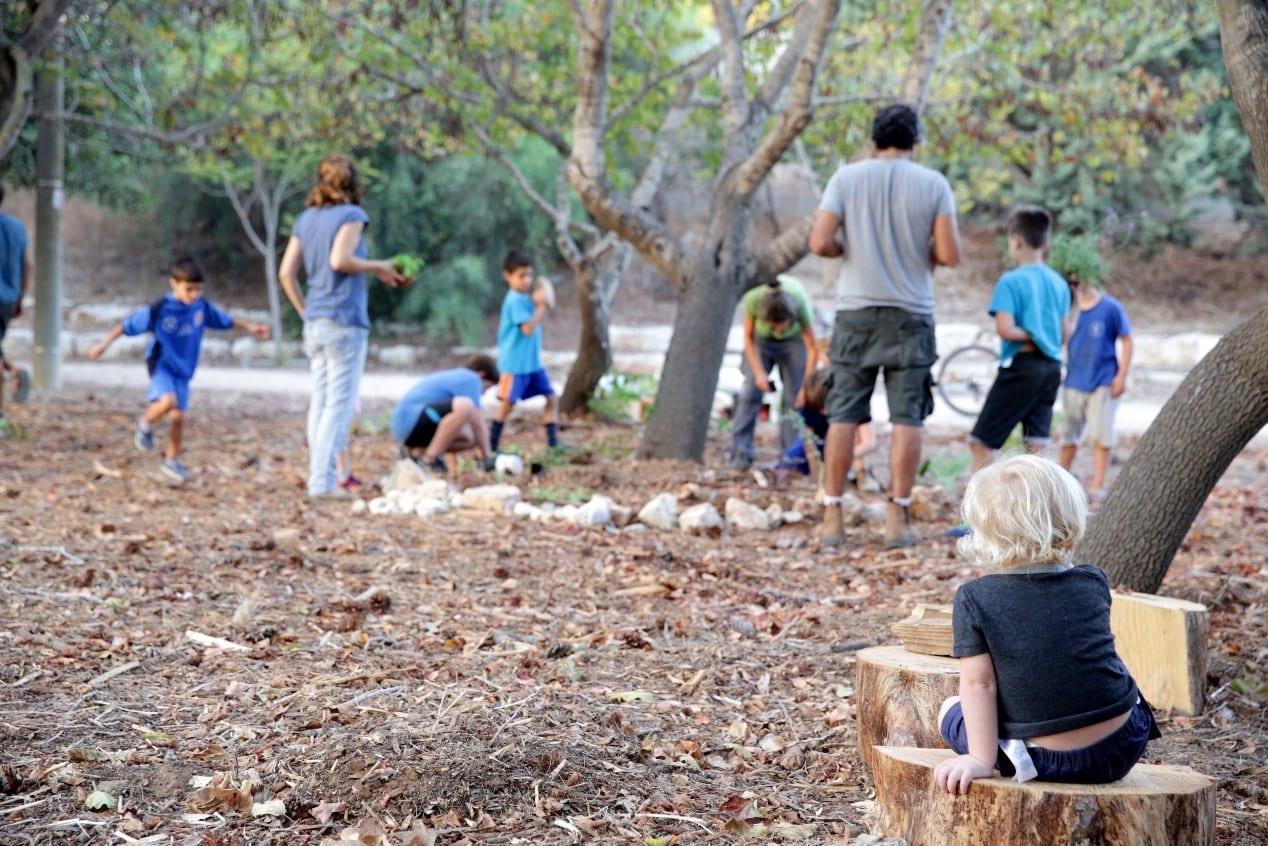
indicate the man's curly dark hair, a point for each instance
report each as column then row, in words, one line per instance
column 896, row 127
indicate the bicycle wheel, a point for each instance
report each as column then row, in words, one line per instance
column 965, row 376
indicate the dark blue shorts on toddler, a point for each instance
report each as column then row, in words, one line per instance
column 1104, row 761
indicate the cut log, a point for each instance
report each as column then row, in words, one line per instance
column 927, row 630
column 1163, row 643
column 1152, row 806
column 898, row 694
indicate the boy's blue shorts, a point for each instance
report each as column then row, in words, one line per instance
column 163, row 383
column 513, row 387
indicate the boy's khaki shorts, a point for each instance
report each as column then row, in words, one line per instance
column 1089, row 417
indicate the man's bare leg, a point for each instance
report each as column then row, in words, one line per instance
column 838, row 455
column 904, row 461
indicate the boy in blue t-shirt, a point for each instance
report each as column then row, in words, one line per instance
column 1100, row 353
column 440, row 415
column 177, row 322
column 520, row 349
column 1029, row 306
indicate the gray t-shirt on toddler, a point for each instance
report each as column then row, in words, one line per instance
column 1048, row 635
column 887, row 207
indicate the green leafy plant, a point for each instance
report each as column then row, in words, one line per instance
column 945, row 468
column 407, row 265
column 558, row 494
column 1078, row 258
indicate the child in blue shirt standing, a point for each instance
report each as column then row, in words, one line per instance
column 1029, row 305
column 177, row 322
column 1100, row 353
column 520, row 349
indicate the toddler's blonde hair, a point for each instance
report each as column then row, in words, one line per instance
column 1022, row 510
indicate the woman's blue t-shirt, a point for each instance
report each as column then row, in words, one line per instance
column 340, row 297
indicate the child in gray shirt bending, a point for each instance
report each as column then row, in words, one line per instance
column 1043, row 692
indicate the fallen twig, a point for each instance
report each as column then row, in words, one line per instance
column 117, row 671
column 217, row 642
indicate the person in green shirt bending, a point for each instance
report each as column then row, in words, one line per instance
column 778, row 330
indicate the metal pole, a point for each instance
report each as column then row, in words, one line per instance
column 50, row 196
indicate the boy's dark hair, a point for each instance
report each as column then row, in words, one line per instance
column 816, row 389
column 484, row 365
column 777, row 307
column 896, row 127
column 187, row 269
column 1033, row 224
column 514, row 260
column 1, row 191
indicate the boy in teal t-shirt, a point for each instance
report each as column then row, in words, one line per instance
column 1029, row 305
column 520, row 349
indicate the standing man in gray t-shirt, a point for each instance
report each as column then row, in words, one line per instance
column 891, row 221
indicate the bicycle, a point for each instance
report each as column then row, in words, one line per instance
column 966, row 373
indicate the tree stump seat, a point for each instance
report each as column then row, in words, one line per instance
column 898, row 694
column 1153, row 806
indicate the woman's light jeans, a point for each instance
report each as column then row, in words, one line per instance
column 336, row 355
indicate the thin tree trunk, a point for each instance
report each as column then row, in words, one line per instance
column 689, row 377
column 596, row 287
column 1217, row 409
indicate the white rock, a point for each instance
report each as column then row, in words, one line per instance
column 567, row 514
column 436, row 489
column 509, row 463
column 430, row 506
column 526, row 510
column 790, row 517
column 499, row 499
column 358, row 506
column 405, row 474
column 596, row 512
column 776, row 513
column 746, row 517
column 456, row 499
column 382, row 505
column 661, row 512
column 621, row 515
column 700, row 518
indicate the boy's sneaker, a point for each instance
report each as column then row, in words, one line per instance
column 174, row 470
column 23, row 391
column 437, row 465
column 144, row 439
column 350, row 483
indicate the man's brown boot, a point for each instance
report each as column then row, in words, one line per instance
column 898, row 531
column 832, row 529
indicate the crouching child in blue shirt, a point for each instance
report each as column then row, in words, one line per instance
column 1043, row 692
column 177, row 322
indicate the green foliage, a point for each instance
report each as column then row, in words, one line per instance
column 1078, row 258
column 622, row 396
column 945, row 468
column 407, row 265
column 558, row 494
column 451, row 300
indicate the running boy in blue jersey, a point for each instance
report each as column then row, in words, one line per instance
column 1029, row 306
column 520, row 349
column 177, row 322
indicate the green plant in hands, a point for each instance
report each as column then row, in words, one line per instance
column 407, row 265
column 1078, row 258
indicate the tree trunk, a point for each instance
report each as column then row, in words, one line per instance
column 1217, row 409
column 1220, row 405
column 596, row 285
column 898, row 695
column 1152, row 806
column 680, row 421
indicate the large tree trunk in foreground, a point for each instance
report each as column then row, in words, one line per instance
column 1217, row 409
column 1224, row 400
column 1153, row 805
